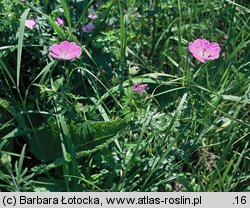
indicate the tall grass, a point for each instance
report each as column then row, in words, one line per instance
column 79, row 125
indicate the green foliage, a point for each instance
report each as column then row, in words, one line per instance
column 15, row 178
column 81, row 124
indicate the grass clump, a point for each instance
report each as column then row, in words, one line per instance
column 134, row 110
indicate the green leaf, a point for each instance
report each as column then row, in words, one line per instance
column 104, row 133
column 47, row 146
column 20, row 43
column 56, row 28
column 66, row 12
column 44, row 71
column 231, row 98
column 3, row 66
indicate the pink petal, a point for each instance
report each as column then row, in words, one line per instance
column 55, row 55
column 66, row 58
column 203, row 50
column 71, row 56
column 201, row 43
column 192, row 47
column 213, row 51
column 59, row 21
column 64, row 46
column 55, row 49
column 199, row 57
column 213, row 47
column 65, row 50
column 140, row 88
column 75, row 49
column 92, row 16
column 196, row 51
column 30, row 23
column 75, row 54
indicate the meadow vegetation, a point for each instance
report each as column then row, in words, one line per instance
column 112, row 95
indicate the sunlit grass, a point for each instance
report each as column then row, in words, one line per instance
column 78, row 125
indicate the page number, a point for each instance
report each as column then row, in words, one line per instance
column 240, row 200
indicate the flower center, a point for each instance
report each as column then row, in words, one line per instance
column 204, row 52
column 64, row 55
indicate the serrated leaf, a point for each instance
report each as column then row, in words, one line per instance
column 105, row 133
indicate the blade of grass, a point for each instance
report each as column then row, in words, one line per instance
column 56, row 28
column 70, row 147
column 66, row 12
column 222, row 160
column 20, row 163
column 123, row 40
column 20, row 44
column 131, row 161
column 5, row 69
column 45, row 70
column 157, row 161
column 236, row 167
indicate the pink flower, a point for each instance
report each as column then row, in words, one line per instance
column 92, row 16
column 65, row 50
column 140, row 88
column 30, row 23
column 59, row 21
column 203, row 50
column 88, row 27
